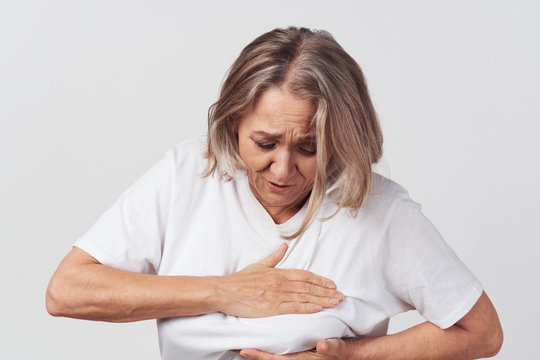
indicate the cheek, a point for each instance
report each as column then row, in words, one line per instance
column 254, row 160
column 309, row 169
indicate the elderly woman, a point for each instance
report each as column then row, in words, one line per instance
column 285, row 176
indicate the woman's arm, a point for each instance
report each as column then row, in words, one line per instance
column 84, row 288
column 477, row 335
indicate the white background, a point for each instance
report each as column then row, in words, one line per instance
column 93, row 93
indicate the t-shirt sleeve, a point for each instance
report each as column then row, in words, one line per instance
column 130, row 234
column 421, row 270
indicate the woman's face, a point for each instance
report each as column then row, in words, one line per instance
column 279, row 150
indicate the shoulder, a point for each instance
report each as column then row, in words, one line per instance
column 384, row 196
column 385, row 191
column 188, row 150
column 390, row 202
column 186, row 157
column 180, row 166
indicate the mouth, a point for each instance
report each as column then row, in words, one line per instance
column 277, row 187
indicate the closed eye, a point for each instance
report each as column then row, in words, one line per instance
column 309, row 151
column 265, row 146
column 308, row 148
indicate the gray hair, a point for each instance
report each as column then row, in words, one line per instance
column 313, row 66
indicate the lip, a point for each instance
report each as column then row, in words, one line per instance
column 276, row 188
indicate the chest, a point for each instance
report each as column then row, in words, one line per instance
column 219, row 233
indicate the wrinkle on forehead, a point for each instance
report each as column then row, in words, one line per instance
column 279, row 111
column 279, row 136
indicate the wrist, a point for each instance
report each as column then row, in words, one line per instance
column 193, row 295
column 357, row 349
column 210, row 299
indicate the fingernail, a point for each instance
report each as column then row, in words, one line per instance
column 317, row 307
column 330, row 285
column 334, row 301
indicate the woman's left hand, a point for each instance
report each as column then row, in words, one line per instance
column 331, row 349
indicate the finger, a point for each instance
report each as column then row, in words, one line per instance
column 261, row 355
column 330, row 347
column 298, row 308
column 274, row 258
column 307, row 276
column 258, row 355
column 325, row 302
column 322, row 347
column 311, row 289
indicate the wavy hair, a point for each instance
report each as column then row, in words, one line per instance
column 313, row 66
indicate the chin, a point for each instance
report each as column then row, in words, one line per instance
column 282, row 199
column 276, row 200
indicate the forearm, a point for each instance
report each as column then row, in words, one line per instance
column 97, row 292
column 424, row 341
column 476, row 335
column 85, row 289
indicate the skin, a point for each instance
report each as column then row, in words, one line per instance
column 283, row 159
column 477, row 335
column 277, row 147
column 83, row 288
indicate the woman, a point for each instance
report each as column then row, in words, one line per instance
column 288, row 157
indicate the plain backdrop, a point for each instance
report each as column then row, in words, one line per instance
column 92, row 93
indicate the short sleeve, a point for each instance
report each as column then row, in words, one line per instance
column 421, row 270
column 129, row 235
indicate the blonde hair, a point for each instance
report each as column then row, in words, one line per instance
column 313, row 66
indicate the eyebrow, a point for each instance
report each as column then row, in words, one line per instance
column 270, row 136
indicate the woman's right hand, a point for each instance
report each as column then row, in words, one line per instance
column 261, row 290
column 84, row 288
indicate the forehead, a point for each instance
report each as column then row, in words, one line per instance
column 280, row 110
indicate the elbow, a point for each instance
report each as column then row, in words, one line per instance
column 484, row 328
column 68, row 288
column 55, row 297
column 494, row 341
column 52, row 303
column 488, row 339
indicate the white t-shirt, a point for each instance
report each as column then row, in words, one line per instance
column 386, row 260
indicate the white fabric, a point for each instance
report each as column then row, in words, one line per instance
column 386, row 260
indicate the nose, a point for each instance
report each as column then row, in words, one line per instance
column 283, row 166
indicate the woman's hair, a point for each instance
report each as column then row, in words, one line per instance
column 313, row 66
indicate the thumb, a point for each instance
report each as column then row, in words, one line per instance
column 330, row 347
column 274, row 258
